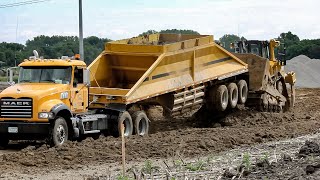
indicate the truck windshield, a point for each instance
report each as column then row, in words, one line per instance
column 50, row 74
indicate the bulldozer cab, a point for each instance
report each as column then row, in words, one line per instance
column 265, row 49
column 259, row 48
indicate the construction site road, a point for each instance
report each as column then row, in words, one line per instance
column 182, row 138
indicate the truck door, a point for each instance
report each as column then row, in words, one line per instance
column 79, row 92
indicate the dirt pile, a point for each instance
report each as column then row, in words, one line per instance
column 307, row 71
column 183, row 137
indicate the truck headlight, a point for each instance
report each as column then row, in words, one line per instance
column 45, row 115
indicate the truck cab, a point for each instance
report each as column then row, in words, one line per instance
column 41, row 103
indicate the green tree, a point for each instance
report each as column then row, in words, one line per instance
column 93, row 46
column 310, row 48
column 9, row 57
column 227, row 39
column 3, row 58
column 148, row 32
column 10, row 53
column 57, row 46
column 287, row 39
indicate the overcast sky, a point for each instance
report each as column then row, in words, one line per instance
column 118, row 19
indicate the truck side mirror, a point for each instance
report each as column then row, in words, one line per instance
column 10, row 77
column 86, row 77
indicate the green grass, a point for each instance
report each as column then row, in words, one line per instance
column 197, row 166
column 246, row 161
column 122, row 177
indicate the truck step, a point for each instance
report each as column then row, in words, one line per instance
column 91, row 132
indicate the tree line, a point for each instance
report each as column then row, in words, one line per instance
column 50, row 47
column 294, row 46
column 12, row 54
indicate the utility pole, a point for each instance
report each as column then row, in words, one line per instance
column 239, row 32
column 15, row 46
column 81, row 51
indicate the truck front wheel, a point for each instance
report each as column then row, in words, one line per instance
column 59, row 132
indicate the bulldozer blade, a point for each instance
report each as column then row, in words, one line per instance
column 262, row 89
column 258, row 71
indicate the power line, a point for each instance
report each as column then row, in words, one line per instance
column 22, row 3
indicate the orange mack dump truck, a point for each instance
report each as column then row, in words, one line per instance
column 63, row 99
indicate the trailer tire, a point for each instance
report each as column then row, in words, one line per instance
column 124, row 118
column 218, row 97
column 59, row 132
column 233, row 95
column 243, row 91
column 141, row 123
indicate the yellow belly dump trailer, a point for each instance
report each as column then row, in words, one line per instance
column 57, row 100
column 165, row 69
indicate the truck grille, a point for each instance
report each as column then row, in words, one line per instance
column 16, row 108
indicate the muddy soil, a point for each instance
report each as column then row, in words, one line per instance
column 305, row 164
column 183, row 137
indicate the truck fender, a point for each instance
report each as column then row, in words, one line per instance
column 59, row 107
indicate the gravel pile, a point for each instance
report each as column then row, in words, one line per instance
column 307, row 71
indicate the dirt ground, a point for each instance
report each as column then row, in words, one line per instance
column 305, row 164
column 182, row 138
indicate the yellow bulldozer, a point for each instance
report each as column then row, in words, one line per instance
column 267, row 90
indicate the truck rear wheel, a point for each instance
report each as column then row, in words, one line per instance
column 126, row 120
column 243, row 91
column 218, row 98
column 59, row 134
column 233, row 95
column 141, row 123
